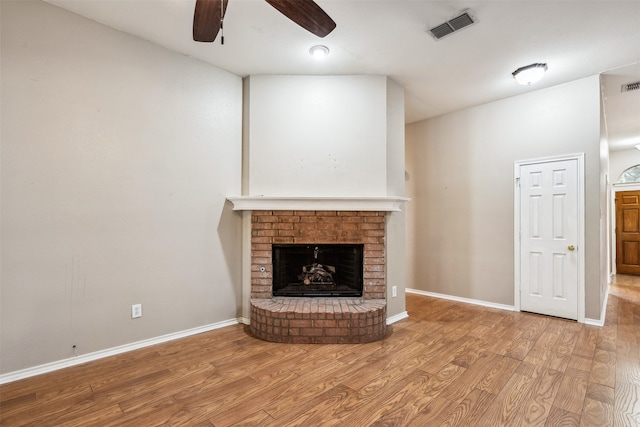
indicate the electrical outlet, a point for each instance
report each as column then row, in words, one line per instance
column 136, row 311
column 394, row 291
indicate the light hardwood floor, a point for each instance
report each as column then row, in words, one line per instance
column 449, row 364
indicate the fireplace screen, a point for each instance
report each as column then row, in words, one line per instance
column 317, row 270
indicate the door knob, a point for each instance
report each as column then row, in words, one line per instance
column 571, row 248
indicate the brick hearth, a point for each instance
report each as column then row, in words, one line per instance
column 318, row 320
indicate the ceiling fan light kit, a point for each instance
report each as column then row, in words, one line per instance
column 529, row 74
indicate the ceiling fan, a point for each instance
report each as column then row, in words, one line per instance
column 209, row 14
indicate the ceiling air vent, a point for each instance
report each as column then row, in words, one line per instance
column 630, row 86
column 452, row 25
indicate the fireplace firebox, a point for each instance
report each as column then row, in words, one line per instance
column 322, row 270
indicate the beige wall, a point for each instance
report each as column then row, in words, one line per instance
column 117, row 156
column 460, row 178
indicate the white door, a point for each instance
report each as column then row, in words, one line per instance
column 549, row 238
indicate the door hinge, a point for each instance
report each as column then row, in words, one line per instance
column 518, row 182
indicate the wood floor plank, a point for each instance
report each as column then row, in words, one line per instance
column 519, row 348
column 35, row 400
column 580, row 363
column 532, row 326
column 233, row 412
column 398, row 405
column 567, row 341
column 307, row 387
column 469, row 410
column 596, row 413
column 257, row 419
column 505, row 406
column 627, row 369
column 607, row 338
column 154, row 413
column 544, row 346
column 570, row 396
column 603, row 368
column 385, row 371
column 535, row 410
column 349, row 411
column 33, row 411
column 587, row 340
column 627, row 404
column 551, row 360
column 182, row 378
column 499, row 375
column 96, row 416
column 402, row 340
column 448, row 364
column 559, row 417
column 601, row 393
column 470, row 378
column 426, row 408
column 431, row 411
column 457, row 350
column 315, row 409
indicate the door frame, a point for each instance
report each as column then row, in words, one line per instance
column 579, row 157
column 617, row 187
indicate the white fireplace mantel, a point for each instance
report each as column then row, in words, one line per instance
column 276, row 203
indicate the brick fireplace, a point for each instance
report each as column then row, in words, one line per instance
column 320, row 319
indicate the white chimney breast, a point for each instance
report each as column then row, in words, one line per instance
column 320, row 136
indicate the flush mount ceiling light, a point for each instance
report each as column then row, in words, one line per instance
column 319, row 51
column 529, row 74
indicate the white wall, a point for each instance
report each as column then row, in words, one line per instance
column 396, row 273
column 117, row 156
column 460, row 169
column 619, row 161
column 317, row 135
column 605, row 220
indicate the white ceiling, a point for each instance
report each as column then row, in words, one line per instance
column 387, row 37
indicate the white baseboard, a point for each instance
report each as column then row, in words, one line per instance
column 603, row 313
column 84, row 358
column 460, row 299
column 397, row 317
column 593, row 322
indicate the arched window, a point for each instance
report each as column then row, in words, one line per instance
column 630, row 175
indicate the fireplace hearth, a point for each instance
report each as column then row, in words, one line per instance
column 317, row 270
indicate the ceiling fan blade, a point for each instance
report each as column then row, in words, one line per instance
column 207, row 19
column 307, row 14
